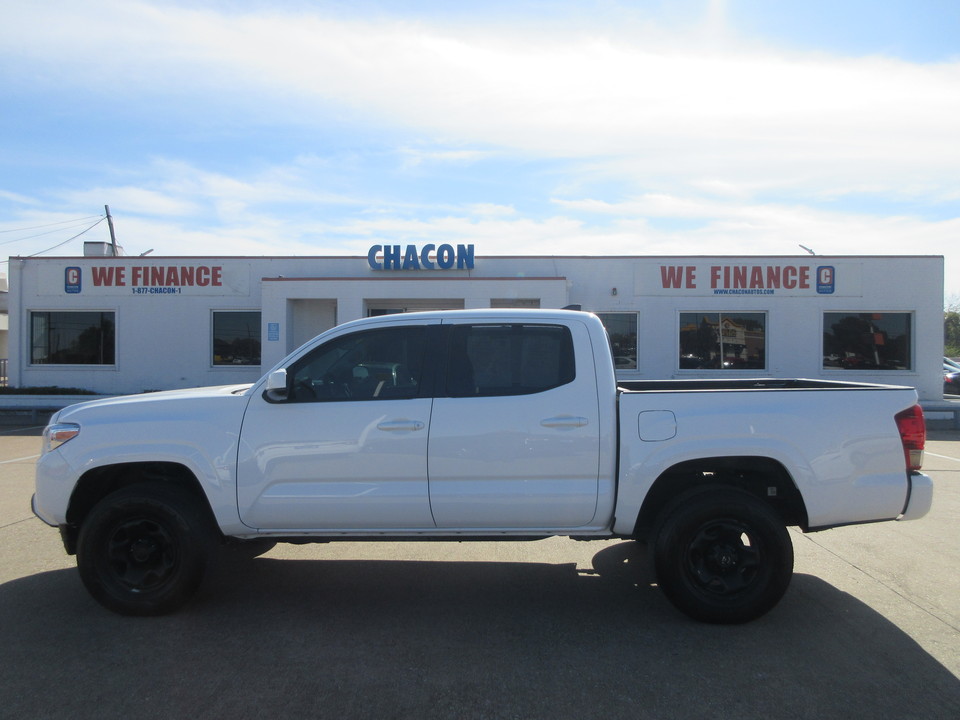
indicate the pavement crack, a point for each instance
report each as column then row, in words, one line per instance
column 17, row 522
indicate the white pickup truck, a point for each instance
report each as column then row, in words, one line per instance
column 469, row 425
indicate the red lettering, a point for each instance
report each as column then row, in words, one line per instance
column 207, row 276
column 102, row 276
column 670, row 277
column 773, row 276
column 756, row 277
column 108, row 276
column 740, row 276
column 805, row 277
column 714, row 276
column 789, row 277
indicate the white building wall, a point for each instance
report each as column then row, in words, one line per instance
column 164, row 332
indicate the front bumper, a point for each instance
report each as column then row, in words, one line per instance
column 33, row 507
column 68, row 533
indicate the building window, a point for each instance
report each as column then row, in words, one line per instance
column 236, row 338
column 72, row 338
column 723, row 341
column 867, row 341
column 622, row 329
column 533, row 303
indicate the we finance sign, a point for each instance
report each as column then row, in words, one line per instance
column 759, row 279
column 148, row 280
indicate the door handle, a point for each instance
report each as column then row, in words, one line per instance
column 400, row 425
column 564, row 421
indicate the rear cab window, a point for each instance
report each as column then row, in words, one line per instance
column 487, row 360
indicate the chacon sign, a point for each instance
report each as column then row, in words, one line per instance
column 427, row 257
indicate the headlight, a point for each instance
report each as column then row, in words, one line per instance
column 57, row 434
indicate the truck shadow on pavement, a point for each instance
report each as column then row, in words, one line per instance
column 278, row 638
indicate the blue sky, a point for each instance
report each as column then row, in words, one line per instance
column 316, row 128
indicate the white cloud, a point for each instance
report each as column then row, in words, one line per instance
column 687, row 126
column 559, row 93
column 773, row 230
column 413, row 157
column 491, row 210
column 17, row 198
column 134, row 200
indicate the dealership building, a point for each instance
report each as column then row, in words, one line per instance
column 119, row 324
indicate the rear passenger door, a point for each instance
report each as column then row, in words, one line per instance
column 514, row 433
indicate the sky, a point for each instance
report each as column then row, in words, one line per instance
column 653, row 127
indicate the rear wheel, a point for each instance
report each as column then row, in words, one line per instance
column 143, row 549
column 722, row 555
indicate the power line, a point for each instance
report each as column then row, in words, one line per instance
column 41, row 252
column 49, row 232
column 68, row 239
column 39, row 227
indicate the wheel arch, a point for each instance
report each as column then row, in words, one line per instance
column 764, row 477
column 97, row 483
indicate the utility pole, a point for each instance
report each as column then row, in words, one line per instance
column 113, row 235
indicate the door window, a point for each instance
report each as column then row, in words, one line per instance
column 496, row 360
column 382, row 364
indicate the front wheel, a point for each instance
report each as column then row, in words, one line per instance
column 722, row 555
column 143, row 549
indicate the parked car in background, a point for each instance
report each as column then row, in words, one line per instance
column 951, row 381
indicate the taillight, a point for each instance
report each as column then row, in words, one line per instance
column 913, row 435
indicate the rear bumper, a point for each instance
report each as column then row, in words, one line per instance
column 920, row 499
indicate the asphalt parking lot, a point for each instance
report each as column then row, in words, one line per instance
column 552, row 629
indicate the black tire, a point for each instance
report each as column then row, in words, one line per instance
column 143, row 549
column 722, row 555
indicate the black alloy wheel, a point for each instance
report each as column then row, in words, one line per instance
column 143, row 549
column 722, row 555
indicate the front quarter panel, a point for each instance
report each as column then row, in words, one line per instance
column 199, row 433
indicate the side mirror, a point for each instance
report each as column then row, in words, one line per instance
column 276, row 388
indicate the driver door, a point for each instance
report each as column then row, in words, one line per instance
column 347, row 448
